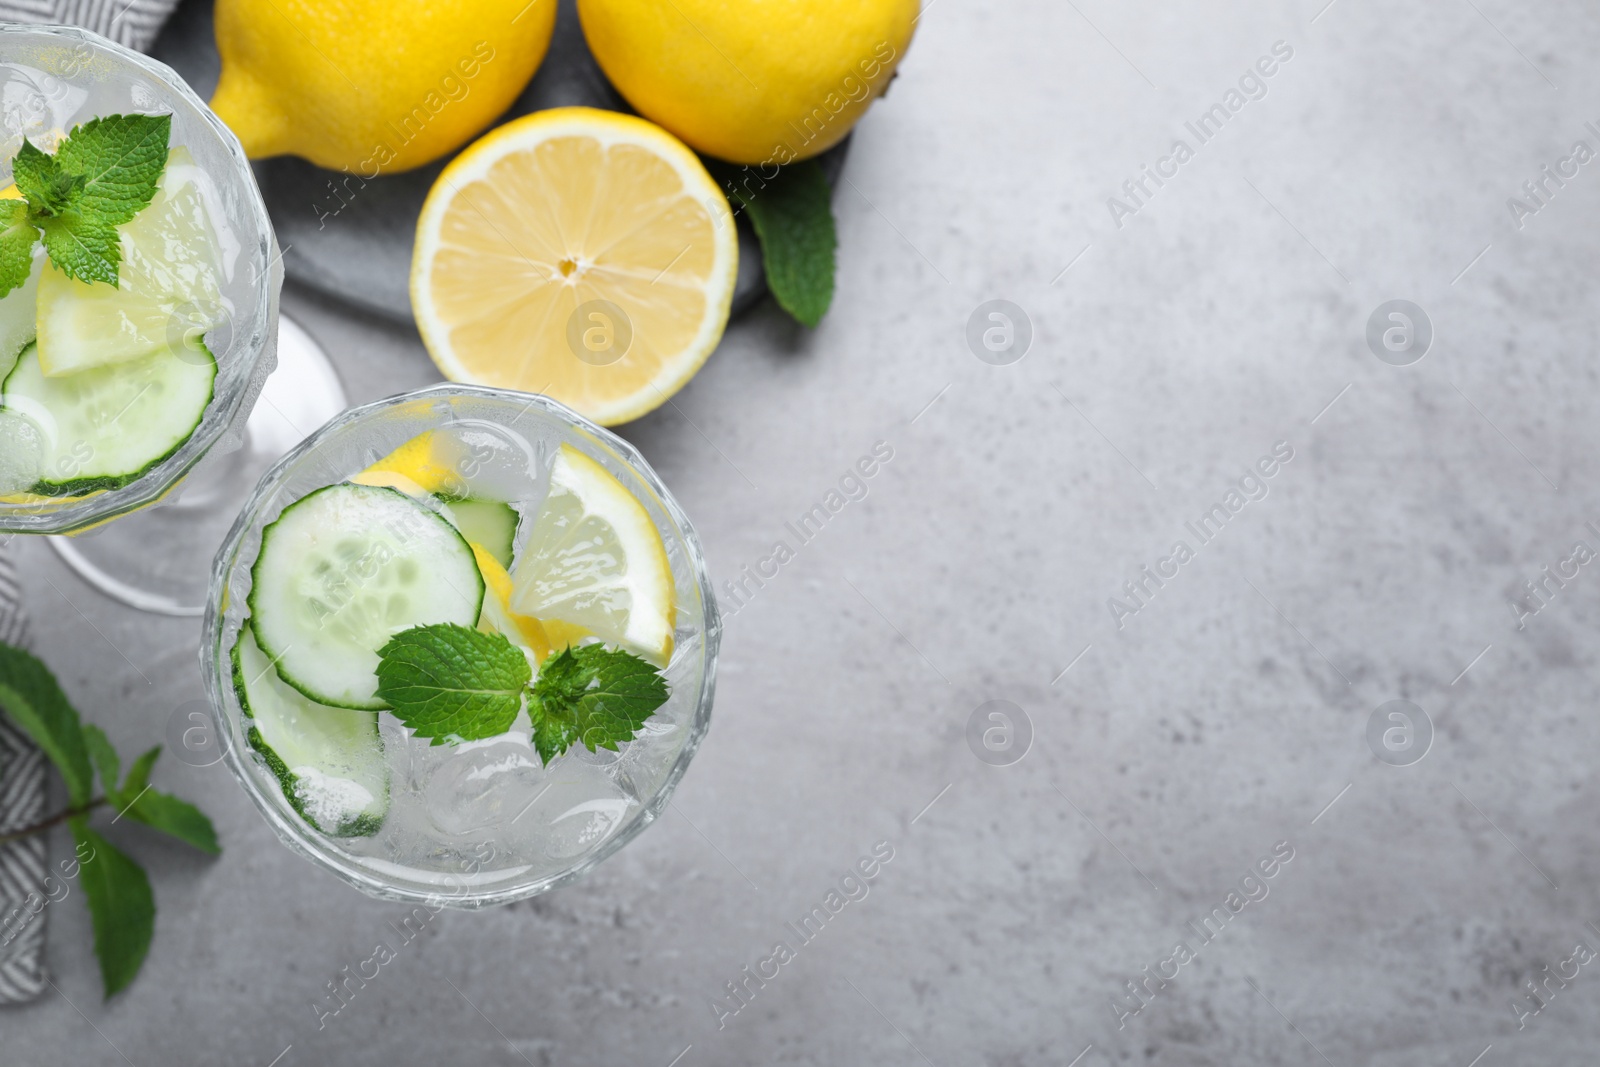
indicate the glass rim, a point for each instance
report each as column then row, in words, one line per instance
column 312, row 846
column 68, row 514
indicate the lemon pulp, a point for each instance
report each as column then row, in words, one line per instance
column 596, row 560
column 577, row 253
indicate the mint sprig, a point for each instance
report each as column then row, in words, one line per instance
column 100, row 177
column 121, row 907
column 450, row 684
column 593, row 694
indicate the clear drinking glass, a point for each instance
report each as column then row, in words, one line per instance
column 483, row 822
column 52, row 79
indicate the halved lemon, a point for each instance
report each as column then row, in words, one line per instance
column 596, row 560
column 582, row 254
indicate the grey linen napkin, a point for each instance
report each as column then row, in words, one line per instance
column 22, row 795
column 133, row 23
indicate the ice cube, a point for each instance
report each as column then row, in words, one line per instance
column 600, row 757
column 614, row 764
column 483, row 785
column 22, row 450
column 579, row 807
column 583, row 826
column 496, row 463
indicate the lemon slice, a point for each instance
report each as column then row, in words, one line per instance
column 167, row 292
column 595, row 560
column 578, row 253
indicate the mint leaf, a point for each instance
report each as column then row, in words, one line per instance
column 81, row 246
column 552, row 735
column 162, row 811
column 121, row 907
column 39, row 177
column 30, row 694
column 105, row 759
column 595, row 695
column 17, row 238
column 138, row 776
column 177, row 818
column 34, row 173
column 450, row 683
column 120, row 159
column 793, row 217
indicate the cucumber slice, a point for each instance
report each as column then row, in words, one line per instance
column 329, row 761
column 344, row 569
column 488, row 523
column 105, row 428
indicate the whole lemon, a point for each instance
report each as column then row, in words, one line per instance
column 373, row 86
column 751, row 81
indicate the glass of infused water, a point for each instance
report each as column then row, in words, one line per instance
column 460, row 646
column 140, row 311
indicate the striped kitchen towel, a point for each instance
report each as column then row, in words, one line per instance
column 21, row 804
column 133, row 23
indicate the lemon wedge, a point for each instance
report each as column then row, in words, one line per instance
column 596, row 560
column 562, row 634
column 425, row 464
column 582, row 254
column 497, row 613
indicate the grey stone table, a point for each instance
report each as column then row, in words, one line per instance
column 1184, row 739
